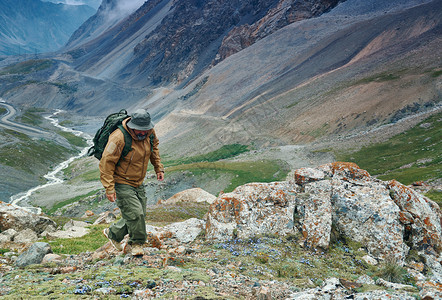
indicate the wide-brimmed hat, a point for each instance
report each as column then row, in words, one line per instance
column 140, row 120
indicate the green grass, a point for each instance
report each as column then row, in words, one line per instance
column 436, row 73
column 436, row 196
column 32, row 117
column 165, row 214
column 32, row 155
column 408, row 157
column 3, row 111
column 90, row 242
column 73, row 139
column 381, row 77
column 55, row 207
column 226, row 151
column 27, row 67
column 241, row 172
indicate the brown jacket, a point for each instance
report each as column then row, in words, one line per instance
column 133, row 167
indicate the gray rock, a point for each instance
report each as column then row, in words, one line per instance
column 15, row 217
column 186, row 231
column 106, row 217
column 51, row 257
column 365, row 279
column 8, row 235
column 34, row 255
column 190, row 195
column 252, row 209
column 377, row 214
column 25, row 236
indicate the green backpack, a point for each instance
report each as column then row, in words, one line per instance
column 112, row 122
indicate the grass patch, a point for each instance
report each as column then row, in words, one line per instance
column 61, row 204
column 165, row 214
column 226, row 151
column 27, row 67
column 32, row 117
column 380, row 77
column 242, row 172
column 436, row 196
column 3, row 111
column 73, row 139
column 90, row 242
column 436, row 73
column 30, row 156
column 410, row 156
column 392, row 272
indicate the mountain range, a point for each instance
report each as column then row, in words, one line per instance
column 258, row 72
column 33, row 26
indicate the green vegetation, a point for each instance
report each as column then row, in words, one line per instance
column 226, row 151
column 27, row 67
column 241, row 172
column 73, row 139
column 408, row 157
column 436, row 73
column 90, row 242
column 32, row 156
column 165, row 214
column 50, row 211
column 392, row 272
column 3, row 111
column 32, row 117
column 436, row 196
column 378, row 78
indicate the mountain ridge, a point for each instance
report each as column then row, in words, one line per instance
column 36, row 26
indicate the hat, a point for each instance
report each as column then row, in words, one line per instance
column 140, row 120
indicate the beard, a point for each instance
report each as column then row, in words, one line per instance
column 141, row 136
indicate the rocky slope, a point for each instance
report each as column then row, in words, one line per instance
column 33, row 26
column 285, row 13
column 363, row 71
column 173, row 41
column 325, row 232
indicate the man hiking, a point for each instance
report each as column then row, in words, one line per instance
column 123, row 177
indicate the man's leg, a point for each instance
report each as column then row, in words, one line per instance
column 132, row 203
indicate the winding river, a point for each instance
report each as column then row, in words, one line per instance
column 53, row 177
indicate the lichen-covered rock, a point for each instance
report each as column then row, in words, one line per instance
column 25, row 236
column 386, row 218
column 422, row 216
column 252, row 209
column 366, row 214
column 12, row 216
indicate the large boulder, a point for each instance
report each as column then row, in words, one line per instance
column 387, row 218
column 17, row 218
column 34, row 255
column 252, row 209
column 190, row 195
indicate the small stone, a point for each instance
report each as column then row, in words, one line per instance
column 370, row 260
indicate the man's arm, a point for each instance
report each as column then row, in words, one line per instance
column 111, row 156
column 155, row 158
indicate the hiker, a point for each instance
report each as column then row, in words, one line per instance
column 123, row 177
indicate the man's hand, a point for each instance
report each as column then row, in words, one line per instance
column 112, row 197
column 160, row 176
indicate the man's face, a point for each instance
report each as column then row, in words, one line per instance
column 141, row 134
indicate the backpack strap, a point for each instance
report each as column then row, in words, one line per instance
column 151, row 137
column 127, row 141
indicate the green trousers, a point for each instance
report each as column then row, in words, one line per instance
column 132, row 203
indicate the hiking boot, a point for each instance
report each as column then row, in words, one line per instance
column 137, row 250
column 114, row 243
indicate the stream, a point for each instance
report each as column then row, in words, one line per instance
column 53, row 177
